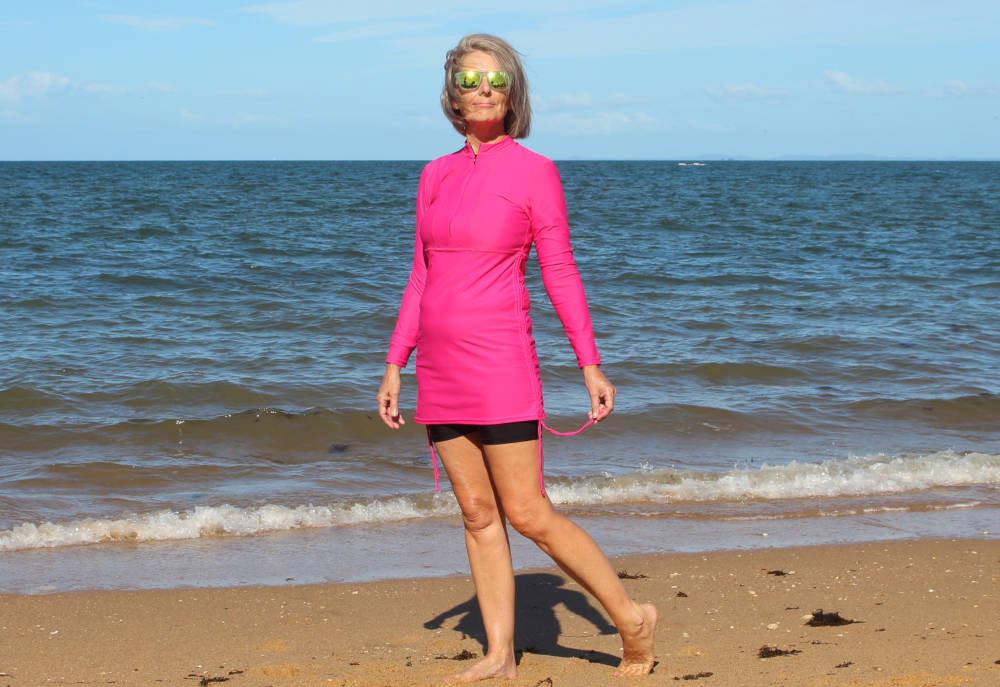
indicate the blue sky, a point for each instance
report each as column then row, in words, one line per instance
column 318, row 79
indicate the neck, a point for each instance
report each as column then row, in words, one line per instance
column 477, row 133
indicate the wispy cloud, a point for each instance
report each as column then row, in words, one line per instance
column 328, row 12
column 235, row 119
column 848, row 84
column 376, row 30
column 7, row 25
column 13, row 116
column 156, row 24
column 254, row 118
column 958, row 89
column 325, row 13
column 159, row 87
column 32, row 85
column 39, row 85
column 746, row 91
column 569, row 102
column 584, row 113
column 99, row 88
column 243, row 93
column 606, row 122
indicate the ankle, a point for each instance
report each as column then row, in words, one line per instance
column 502, row 652
column 635, row 620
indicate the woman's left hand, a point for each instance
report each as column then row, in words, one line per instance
column 602, row 393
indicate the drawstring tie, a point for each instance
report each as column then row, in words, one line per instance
column 541, row 479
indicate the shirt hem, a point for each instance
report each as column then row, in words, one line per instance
column 457, row 420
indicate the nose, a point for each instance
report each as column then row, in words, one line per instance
column 484, row 87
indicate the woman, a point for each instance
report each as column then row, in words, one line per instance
column 465, row 309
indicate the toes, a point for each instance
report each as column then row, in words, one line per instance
column 633, row 670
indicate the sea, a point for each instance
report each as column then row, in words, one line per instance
column 805, row 353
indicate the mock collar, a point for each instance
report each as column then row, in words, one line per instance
column 487, row 148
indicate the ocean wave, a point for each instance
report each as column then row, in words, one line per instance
column 32, row 401
column 205, row 521
column 680, row 419
column 961, row 410
column 853, row 477
column 282, row 430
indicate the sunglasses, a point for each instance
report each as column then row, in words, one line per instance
column 470, row 80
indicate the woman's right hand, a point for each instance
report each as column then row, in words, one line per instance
column 388, row 397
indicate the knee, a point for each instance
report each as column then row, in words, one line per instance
column 479, row 515
column 531, row 522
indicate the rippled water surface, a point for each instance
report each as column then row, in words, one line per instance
column 191, row 350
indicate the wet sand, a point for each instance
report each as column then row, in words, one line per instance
column 924, row 613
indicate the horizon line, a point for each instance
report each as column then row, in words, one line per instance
column 789, row 158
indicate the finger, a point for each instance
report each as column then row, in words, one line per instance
column 595, row 407
column 610, row 402
column 607, row 404
column 385, row 411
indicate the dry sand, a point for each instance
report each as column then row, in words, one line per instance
column 926, row 612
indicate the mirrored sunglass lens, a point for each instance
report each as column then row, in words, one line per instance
column 468, row 80
column 498, row 80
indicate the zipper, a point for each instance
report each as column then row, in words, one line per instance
column 461, row 196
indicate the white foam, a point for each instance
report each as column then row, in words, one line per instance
column 219, row 520
column 855, row 476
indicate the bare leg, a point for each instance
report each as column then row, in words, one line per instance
column 513, row 468
column 489, row 555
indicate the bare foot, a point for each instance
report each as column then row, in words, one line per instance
column 637, row 656
column 489, row 666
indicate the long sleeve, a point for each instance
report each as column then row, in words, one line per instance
column 404, row 337
column 550, row 232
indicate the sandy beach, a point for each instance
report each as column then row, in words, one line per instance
column 923, row 613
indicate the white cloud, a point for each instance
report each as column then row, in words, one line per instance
column 39, row 85
column 605, row 122
column 252, row 118
column 13, row 25
column 244, row 93
column 326, row 13
column 747, row 91
column 709, row 127
column 658, row 28
column 158, row 87
column 228, row 120
column 12, row 116
column 848, row 84
column 32, row 85
column 154, row 23
column 568, row 102
column 956, row 89
column 329, row 12
column 562, row 101
column 583, row 113
column 375, row 30
column 99, row 88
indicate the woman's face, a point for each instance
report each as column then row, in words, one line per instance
column 483, row 104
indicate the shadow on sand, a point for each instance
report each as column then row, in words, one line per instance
column 537, row 628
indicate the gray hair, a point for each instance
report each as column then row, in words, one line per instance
column 517, row 123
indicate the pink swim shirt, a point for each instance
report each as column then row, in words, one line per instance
column 466, row 307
